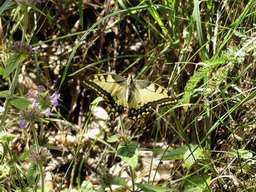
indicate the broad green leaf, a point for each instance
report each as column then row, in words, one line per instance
column 151, row 188
column 116, row 180
column 242, row 153
column 87, row 186
column 175, row 154
column 197, row 184
column 192, row 154
column 12, row 62
column 20, row 103
column 32, row 174
column 129, row 153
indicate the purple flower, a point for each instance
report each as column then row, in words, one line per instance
column 31, row 94
column 35, row 104
column 54, row 98
column 47, row 112
column 23, row 123
column 41, row 88
column 19, row 46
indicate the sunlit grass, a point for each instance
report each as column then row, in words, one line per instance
column 203, row 52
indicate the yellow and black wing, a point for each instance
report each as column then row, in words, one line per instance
column 150, row 93
column 136, row 97
column 108, row 86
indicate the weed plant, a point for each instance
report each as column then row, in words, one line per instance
column 56, row 134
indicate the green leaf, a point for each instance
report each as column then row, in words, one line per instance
column 25, row 155
column 20, row 103
column 6, row 137
column 242, row 153
column 113, row 139
column 1, row 71
column 153, row 11
column 192, row 154
column 129, row 153
column 197, row 184
column 33, row 174
column 5, row 170
column 175, row 154
column 116, row 180
column 202, row 73
column 218, row 77
column 4, row 94
column 107, row 180
column 3, row 189
column 196, row 17
column 100, row 189
column 87, row 186
column 151, row 188
column 6, row 5
column 12, row 63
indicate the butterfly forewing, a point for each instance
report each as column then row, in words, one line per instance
column 113, row 84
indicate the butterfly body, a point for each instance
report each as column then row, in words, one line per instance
column 135, row 98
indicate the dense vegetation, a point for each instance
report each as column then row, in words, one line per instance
column 56, row 134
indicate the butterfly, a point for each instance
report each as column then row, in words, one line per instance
column 135, row 98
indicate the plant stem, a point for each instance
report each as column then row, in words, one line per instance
column 40, row 162
column 132, row 176
column 17, row 71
